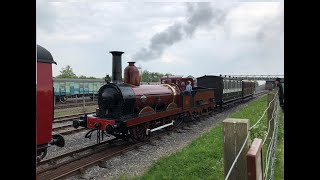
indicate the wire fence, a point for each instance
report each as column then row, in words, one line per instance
column 271, row 152
column 272, row 146
column 76, row 101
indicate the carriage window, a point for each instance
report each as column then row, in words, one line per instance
column 62, row 85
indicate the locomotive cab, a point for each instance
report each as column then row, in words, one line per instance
column 178, row 81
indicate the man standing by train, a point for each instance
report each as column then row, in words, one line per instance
column 280, row 91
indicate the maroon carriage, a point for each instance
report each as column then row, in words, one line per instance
column 44, row 114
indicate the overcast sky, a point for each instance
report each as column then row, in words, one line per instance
column 198, row 38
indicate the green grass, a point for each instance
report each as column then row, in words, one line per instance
column 203, row 158
column 279, row 163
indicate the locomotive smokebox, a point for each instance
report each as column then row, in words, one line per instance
column 131, row 74
column 116, row 66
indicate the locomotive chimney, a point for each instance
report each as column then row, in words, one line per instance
column 116, row 66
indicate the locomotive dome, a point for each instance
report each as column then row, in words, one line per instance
column 43, row 55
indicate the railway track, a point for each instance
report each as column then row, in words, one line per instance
column 257, row 94
column 79, row 164
column 66, row 127
column 63, row 106
column 73, row 153
column 69, row 117
column 66, row 130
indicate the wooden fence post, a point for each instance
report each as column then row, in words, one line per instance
column 271, row 96
column 255, row 160
column 235, row 132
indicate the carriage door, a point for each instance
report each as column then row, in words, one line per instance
column 72, row 88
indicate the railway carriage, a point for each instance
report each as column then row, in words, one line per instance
column 248, row 88
column 67, row 87
column 226, row 89
column 270, row 85
column 44, row 114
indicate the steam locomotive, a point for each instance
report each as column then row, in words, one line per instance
column 129, row 110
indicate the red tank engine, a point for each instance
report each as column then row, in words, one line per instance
column 44, row 114
column 130, row 109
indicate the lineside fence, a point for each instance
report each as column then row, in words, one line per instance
column 243, row 158
column 76, row 101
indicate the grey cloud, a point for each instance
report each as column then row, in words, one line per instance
column 45, row 15
column 271, row 30
column 198, row 15
column 102, row 27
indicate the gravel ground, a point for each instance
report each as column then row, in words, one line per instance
column 134, row 163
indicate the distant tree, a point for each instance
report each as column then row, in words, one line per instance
column 67, row 72
column 145, row 76
column 153, row 76
column 91, row 77
column 85, row 77
column 82, row 77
